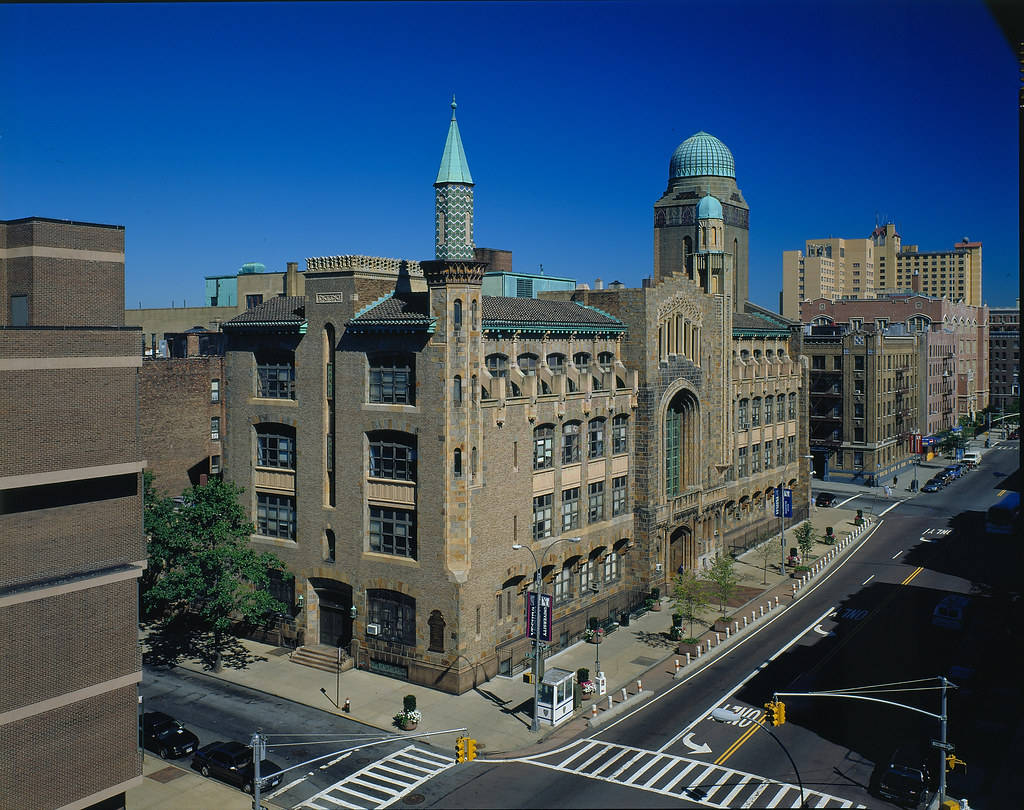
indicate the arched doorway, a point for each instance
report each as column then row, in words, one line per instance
column 335, row 606
column 680, row 445
column 680, row 550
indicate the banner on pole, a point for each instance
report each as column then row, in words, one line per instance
column 545, row 616
column 783, row 502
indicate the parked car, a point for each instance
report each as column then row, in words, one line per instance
column 825, row 499
column 932, row 486
column 165, row 736
column 951, row 612
column 972, row 460
column 905, row 778
column 955, row 470
column 232, row 762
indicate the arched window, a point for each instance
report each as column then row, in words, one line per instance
column 606, row 361
column 472, row 313
column 275, row 446
column 620, row 433
column 392, row 455
column 527, row 363
column 457, row 391
column 457, row 314
column 394, row 613
column 769, row 402
column 595, row 438
column 556, row 362
column 392, row 379
column 792, row 405
column 497, row 365
column 755, row 412
column 329, row 546
column 741, row 414
column 457, row 462
column 582, row 362
column 436, row 625
column 571, row 442
column 472, row 463
column 543, row 436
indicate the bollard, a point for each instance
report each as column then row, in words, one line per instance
column 744, row 621
column 727, row 633
column 735, row 627
column 348, row 705
column 611, row 702
column 753, row 616
column 718, row 639
column 762, row 610
column 776, row 601
column 687, row 659
column 623, row 694
column 768, row 605
column 639, row 686
column 677, row 666
column 794, row 591
column 593, row 710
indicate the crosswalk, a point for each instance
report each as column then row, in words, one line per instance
column 681, row 777
column 383, row 783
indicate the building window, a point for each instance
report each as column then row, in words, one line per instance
column 791, row 446
column 275, row 449
column 595, row 502
column 392, row 457
column 606, row 361
column 858, row 434
column 755, row 458
column 275, row 515
column 19, row 310
column 254, row 300
column 741, row 414
column 542, row 516
column 214, row 390
column 741, row 463
column 792, row 406
column 457, row 314
column 768, row 410
column 673, row 428
column 588, row 576
column 858, row 386
column 768, row 454
column 214, row 464
column 858, row 362
column 393, row 531
column 620, row 433
column 595, row 438
column 276, row 377
column 392, row 380
column 571, row 442
column 457, row 391
column 394, row 613
column 755, row 412
column 570, row 509
column 543, row 438
column 215, row 427
column 780, row 457
column 612, row 567
column 556, row 362
column 563, row 586
column 527, row 364
column 858, row 410
column 330, row 546
column 436, row 625
column 619, row 499
column 818, row 362
column 457, row 462
column 472, row 463
column 582, row 362
column 858, row 458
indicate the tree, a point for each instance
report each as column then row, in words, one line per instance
column 722, row 578
column 766, row 551
column 689, row 596
column 157, row 524
column 210, row 571
column 805, row 539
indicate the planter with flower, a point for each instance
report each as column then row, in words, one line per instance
column 409, row 717
column 593, row 635
column 587, row 687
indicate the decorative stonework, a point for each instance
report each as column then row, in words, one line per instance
column 681, row 302
column 330, row 298
column 373, row 264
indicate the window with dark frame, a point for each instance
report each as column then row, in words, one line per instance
column 393, row 531
column 392, row 380
column 543, row 439
column 275, row 449
column 276, row 377
column 595, row 438
column 619, row 495
column 570, row 509
column 394, row 613
column 571, row 442
column 595, row 502
column 275, row 515
column 620, row 433
column 392, row 457
column 542, row 516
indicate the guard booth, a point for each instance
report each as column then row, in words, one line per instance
column 555, row 701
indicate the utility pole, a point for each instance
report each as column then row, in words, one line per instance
column 943, row 748
column 259, row 747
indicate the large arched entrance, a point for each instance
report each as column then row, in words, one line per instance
column 681, row 451
column 680, row 551
column 335, row 600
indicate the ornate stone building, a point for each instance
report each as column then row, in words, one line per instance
column 405, row 441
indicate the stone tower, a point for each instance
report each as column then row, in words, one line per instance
column 453, row 200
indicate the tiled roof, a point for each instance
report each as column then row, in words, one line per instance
column 756, row 319
column 282, row 311
column 500, row 311
column 413, row 309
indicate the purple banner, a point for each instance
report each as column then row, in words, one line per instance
column 545, row 616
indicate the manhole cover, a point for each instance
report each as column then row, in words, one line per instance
column 165, row 775
column 279, row 651
column 414, row 798
column 644, row 662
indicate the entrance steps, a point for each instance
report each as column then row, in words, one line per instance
column 323, row 657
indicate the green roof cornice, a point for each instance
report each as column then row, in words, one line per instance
column 454, row 167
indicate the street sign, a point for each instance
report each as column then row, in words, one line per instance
column 783, row 502
column 545, row 616
column 944, row 746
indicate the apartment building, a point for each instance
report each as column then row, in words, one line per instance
column 1004, row 357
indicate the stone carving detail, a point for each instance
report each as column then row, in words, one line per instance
column 675, row 215
column 739, row 217
column 681, row 302
column 330, row 298
column 374, row 264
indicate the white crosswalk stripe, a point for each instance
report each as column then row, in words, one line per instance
column 681, row 777
column 382, row 783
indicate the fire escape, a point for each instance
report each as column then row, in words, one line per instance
column 826, row 409
column 905, row 421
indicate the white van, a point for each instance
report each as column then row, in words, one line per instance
column 973, row 459
column 949, row 613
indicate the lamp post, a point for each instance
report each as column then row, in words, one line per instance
column 727, row 716
column 810, row 475
column 538, row 590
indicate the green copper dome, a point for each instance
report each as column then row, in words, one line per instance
column 709, row 208
column 702, row 155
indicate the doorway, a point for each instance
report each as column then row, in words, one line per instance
column 335, row 599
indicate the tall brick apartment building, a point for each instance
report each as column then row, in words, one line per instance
column 71, row 543
column 398, row 432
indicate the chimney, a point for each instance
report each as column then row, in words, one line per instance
column 598, row 284
column 291, row 278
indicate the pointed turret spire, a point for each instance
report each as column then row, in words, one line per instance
column 454, row 167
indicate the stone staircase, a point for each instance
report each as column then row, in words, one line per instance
column 322, row 657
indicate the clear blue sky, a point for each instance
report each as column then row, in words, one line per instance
column 221, row 134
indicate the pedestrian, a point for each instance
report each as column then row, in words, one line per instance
column 895, row 481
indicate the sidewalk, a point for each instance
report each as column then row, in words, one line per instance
column 167, row 786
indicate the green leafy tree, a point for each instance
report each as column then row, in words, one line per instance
column 161, row 540
column 805, row 539
column 689, row 597
column 722, row 578
column 210, row 571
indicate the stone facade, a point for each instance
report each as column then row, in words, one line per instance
column 70, row 517
column 414, row 449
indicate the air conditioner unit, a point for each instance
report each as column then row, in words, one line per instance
column 595, row 587
column 657, row 566
column 373, row 629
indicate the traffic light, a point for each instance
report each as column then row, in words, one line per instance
column 772, row 715
column 470, row 749
column 460, row 749
column 952, row 761
column 780, row 711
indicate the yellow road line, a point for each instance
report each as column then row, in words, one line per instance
column 746, row 735
column 913, row 574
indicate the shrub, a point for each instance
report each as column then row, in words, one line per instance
column 409, row 703
column 582, row 674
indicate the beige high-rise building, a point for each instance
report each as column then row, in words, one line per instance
column 865, row 268
column 827, row 268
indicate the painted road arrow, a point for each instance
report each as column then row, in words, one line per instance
column 697, row 749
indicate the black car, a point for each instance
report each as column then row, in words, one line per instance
column 232, row 762
column 167, row 737
column 825, row 499
column 932, row 486
column 905, row 779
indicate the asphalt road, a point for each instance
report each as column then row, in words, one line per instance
column 868, row 621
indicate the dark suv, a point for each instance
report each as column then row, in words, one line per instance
column 825, row 499
column 166, row 736
column 232, row 762
column 905, row 779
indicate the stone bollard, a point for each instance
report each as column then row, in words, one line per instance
column 776, row 601
column 735, row 627
column 623, row 694
column 593, row 710
column 768, row 605
column 727, row 633
column 794, row 590
column 639, row 686
column 762, row 610
column 687, row 659
column 677, row 666
column 744, row 621
column 718, row 639
column 753, row 616
column 611, row 701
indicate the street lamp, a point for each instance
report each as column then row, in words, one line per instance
column 727, row 716
column 538, row 591
column 810, row 474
